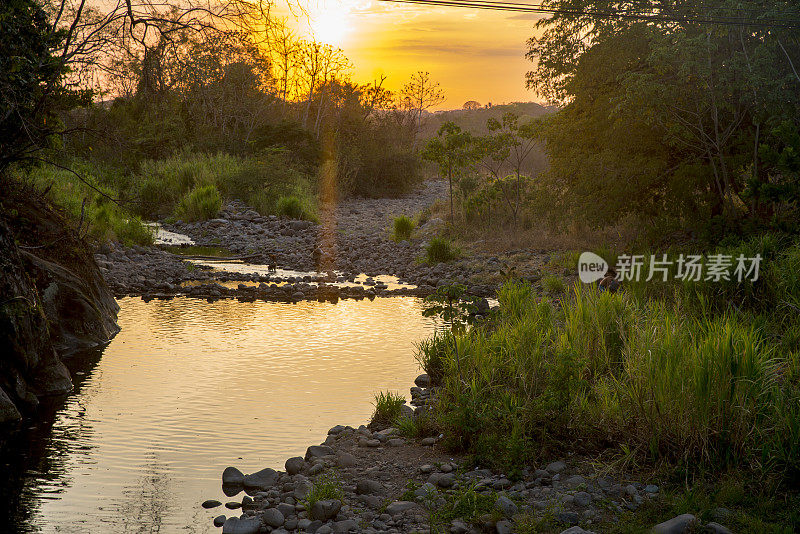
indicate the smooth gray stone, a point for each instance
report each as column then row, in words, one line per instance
column 234, row 525
column 272, row 517
column 327, row 509
column 676, row 525
column 211, row 503
column 398, row 507
column 263, row 479
column 294, row 465
column 232, row 476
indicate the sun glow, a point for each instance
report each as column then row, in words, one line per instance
column 329, row 21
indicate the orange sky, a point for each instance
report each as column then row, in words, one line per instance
column 474, row 54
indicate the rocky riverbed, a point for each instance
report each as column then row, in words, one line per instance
column 311, row 260
column 374, row 479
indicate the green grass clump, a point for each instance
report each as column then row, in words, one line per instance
column 431, row 353
column 291, row 207
column 402, row 228
column 710, row 390
column 199, row 204
column 553, row 284
column 387, row 407
column 440, row 250
column 88, row 202
column 326, row 486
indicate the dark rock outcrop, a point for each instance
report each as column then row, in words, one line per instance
column 53, row 302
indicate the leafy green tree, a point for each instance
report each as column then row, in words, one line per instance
column 506, row 150
column 667, row 118
column 453, row 152
column 31, row 91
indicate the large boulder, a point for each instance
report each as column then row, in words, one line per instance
column 54, row 301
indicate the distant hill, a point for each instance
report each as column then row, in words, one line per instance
column 474, row 120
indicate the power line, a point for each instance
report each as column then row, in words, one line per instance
column 631, row 14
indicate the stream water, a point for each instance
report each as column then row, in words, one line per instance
column 189, row 387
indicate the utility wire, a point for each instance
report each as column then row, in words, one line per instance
column 632, row 15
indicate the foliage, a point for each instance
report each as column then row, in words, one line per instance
column 440, row 250
column 31, row 81
column 642, row 373
column 199, row 204
column 87, row 202
column 452, row 152
column 553, row 284
column 325, row 486
column 387, row 407
column 402, row 228
column 682, row 122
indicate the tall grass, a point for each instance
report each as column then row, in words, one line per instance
column 402, row 228
column 260, row 182
column 388, row 407
column 644, row 373
column 199, row 204
column 440, row 250
column 88, row 201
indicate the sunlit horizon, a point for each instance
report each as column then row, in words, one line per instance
column 474, row 54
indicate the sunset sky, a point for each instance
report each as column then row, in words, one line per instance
column 474, row 54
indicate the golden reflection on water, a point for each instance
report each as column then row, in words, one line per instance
column 189, row 387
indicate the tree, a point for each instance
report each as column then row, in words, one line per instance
column 419, row 95
column 471, row 105
column 666, row 119
column 507, row 149
column 452, row 151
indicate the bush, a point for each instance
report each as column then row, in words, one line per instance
column 440, row 250
column 403, row 227
column 431, row 355
column 709, row 390
column 387, row 408
column 293, row 207
column 199, row 204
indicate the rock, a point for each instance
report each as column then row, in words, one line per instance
column 396, row 442
column 676, row 525
column 423, row 381
column 286, row 509
column 318, row 451
column 262, row 480
column 428, row 441
column 398, row 507
column 219, row 520
column 316, row 469
column 232, row 477
column 326, row 509
column 234, row 525
column 426, row 468
column 233, row 505
column 458, row 527
column 582, row 499
column 506, row 506
column 324, row 529
column 574, row 481
column 570, row 518
column 336, row 429
column 211, row 503
column 8, row 410
column 272, row 517
column 369, row 487
column 716, row 528
column 294, row 465
column 574, row 530
column 345, row 459
column 503, row 527
column 347, row 525
column 445, row 480
column 556, row 467
column 651, row 488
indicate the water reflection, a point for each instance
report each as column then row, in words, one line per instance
column 189, row 387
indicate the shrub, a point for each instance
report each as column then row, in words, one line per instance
column 431, row 354
column 403, row 227
column 388, row 407
column 642, row 373
column 553, row 284
column 199, row 204
column 440, row 250
column 291, row 207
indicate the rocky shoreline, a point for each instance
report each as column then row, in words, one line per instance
column 343, row 256
column 373, row 479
